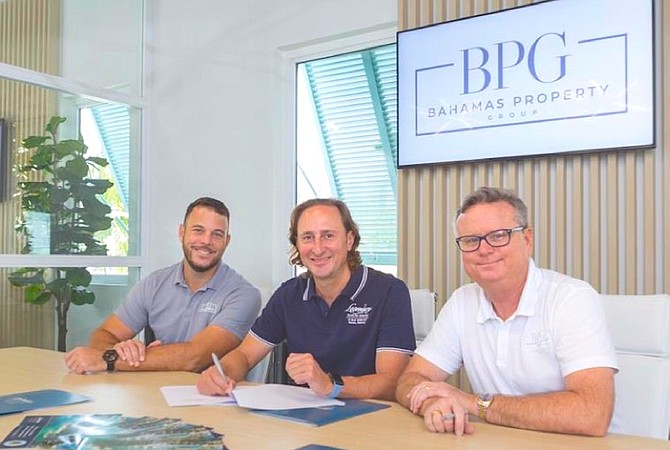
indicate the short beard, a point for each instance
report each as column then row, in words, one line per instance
column 196, row 268
column 201, row 269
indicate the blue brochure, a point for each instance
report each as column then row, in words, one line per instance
column 46, row 398
column 324, row 415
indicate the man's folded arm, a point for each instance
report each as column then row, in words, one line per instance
column 380, row 385
column 584, row 407
column 193, row 356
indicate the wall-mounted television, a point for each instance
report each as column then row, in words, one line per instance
column 545, row 78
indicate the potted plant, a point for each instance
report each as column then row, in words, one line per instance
column 61, row 213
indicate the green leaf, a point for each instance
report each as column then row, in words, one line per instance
column 52, row 126
column 70, row 147
column 98, row 161
column 26, row 276
column 82, row 297
column 43, row 158
column 36, row 294
column 78, row 167
column 57, row 284
column 34, row 141
column 78, row 276
column 58, row 196
column 94, row 186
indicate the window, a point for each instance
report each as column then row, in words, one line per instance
column 347, row 142
column 106, row 131
column 93, row 79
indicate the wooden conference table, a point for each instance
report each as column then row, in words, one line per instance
column 137, row 394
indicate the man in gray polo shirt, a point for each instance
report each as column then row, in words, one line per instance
column 195, row 308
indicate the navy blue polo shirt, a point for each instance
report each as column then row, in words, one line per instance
column 373, row 313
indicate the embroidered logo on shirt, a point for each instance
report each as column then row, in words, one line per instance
column 208, row 307
column 358, row 315
column 538, row 339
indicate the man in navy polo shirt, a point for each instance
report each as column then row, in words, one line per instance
column 348, row 327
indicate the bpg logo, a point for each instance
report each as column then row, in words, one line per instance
column 545, row 62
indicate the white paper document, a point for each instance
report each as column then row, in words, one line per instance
column 280, row 396
column 189, row 396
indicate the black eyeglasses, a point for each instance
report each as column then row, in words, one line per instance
column 496, row 238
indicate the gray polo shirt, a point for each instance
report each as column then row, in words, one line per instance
column 164, row 301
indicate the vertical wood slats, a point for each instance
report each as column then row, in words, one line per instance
column 29, row 31
column 603, row 217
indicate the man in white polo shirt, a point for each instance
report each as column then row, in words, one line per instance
column 196, row 307
column 534, row 342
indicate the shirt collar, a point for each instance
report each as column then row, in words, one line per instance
column 527, row 301
column 354, row 286
column 214, row 283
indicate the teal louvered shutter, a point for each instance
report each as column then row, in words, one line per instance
column 114, row 126
column 355, row 102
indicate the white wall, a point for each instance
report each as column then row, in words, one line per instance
column 219, row 95
column 102, row 43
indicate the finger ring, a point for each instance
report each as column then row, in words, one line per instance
column 448, row 416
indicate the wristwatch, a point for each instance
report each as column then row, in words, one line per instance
column 110, row 357
column 338, row 384
column 483, row 403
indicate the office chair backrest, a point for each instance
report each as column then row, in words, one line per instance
column 423, row 312
column 259, row 373
column 640, row 329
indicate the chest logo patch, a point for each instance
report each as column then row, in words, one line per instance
column 538, row 339
column 358, row 315
column 208, row 307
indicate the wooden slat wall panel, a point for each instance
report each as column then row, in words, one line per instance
column 602, row 217
column 29, row 31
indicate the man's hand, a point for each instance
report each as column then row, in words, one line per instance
column 444, row 407
column 303, row 369
column 133, row 351
column 85, row 359
column 442, row 415
column 210, row 382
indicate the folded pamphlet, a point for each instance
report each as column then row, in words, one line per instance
column 45, row 398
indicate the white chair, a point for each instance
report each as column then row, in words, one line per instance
column 423, row 312
column 640, row 329
column 258, row 373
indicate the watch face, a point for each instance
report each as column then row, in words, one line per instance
column 486, row 397
column 336, row 379
column 110, row 355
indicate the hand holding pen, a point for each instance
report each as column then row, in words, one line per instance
column 214, row 381
column 219, row 369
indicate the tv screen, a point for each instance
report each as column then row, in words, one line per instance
column 551, row 77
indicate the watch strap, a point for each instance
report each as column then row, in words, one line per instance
column 110, row 357
column 338, row 384
column 483, row 403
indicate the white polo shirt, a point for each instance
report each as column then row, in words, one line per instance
column 558, row 328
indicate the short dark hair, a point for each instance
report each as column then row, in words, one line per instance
column 353, row 256
column 208, row 202
column 487, row 194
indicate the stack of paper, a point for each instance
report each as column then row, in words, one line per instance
column 263, row 396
